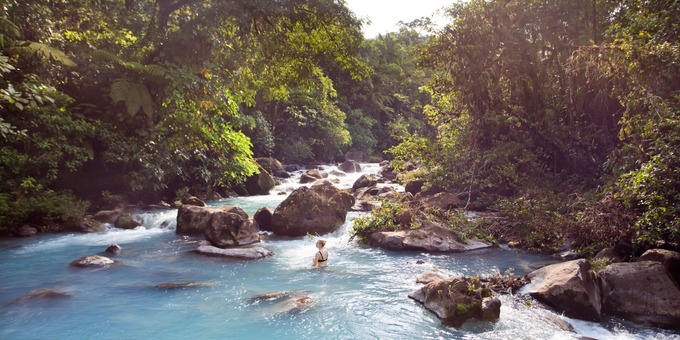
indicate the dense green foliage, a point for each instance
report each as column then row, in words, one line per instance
column 146, row 97
column 533, row 98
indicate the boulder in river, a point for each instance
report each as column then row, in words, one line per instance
column 92, row 261
column 318, row 210
column 272, row 165
column 459, row 299
column 260, row 183
column 231, row 227
column 263, row 217
column 249, row 253
column 107, row 216
column 350, row 166
column 568, row 287
column 642, row 292
column 310, row 176
column 129, row 221
column 363, row 182
column 223, row 227
column 90, row 225
column 113, row 249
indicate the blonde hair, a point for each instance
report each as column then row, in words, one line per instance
column 321, row 242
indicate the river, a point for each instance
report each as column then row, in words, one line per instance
column 362, row 295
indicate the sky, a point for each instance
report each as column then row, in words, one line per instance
column 385, row 14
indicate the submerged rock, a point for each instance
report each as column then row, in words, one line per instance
column 41, row 293
column 457, row 300
column 318, row 210
column 238, row 253
column 183, row 285
column 92, row 261
column 643, row 292
column 568, row 287
column 113, row 249
column 271, row 296
column 27, row 230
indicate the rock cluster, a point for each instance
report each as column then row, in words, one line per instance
column 642, row 291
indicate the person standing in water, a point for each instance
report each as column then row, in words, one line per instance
column 321, row 256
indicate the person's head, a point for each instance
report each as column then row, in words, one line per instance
column 320, row 244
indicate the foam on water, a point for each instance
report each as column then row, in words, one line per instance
column 362, row 295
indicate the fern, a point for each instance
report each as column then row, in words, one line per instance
column 47, row 51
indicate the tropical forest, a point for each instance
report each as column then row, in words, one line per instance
column 523, row 153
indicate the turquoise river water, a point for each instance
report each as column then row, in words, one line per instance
column 362, row 295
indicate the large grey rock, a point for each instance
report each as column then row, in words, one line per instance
column 568, row 287
column 231, row 227
column 642, row 291
column 92, row 261
column 249, row 253
column 260, row 183
column 319, row 210
column 457, row 300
